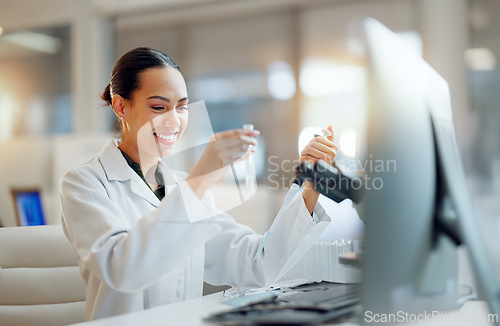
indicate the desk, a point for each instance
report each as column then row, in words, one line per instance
column 191, row 313
column 187, row 313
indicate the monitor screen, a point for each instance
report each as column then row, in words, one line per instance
column 423, row 211
column 28, row 207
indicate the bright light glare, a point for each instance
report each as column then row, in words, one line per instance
column 35, row 122
column 480, row 59
column 319, row 78
column 306, row 135
column 348, row 143
column 1, row 30
column 280, row 80
column 7, row 108
column 35, row 41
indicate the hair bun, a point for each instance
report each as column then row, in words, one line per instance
column 106, row 96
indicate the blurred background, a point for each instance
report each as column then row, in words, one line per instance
column 286, row 66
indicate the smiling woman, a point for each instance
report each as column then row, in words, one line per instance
column 151, row 124
column 151, row 95
column 146, row 235
column 148, row 94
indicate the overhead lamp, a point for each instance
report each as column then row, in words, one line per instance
column 34, row 41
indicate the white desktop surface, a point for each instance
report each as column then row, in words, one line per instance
column 192, row 312
column 186, row 313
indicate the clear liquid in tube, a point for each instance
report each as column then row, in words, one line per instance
column 250, row 177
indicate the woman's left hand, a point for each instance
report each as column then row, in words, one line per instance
column 319, row 148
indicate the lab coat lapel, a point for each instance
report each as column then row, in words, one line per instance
column 117, row 169
column 171, row 177
column 141, row 189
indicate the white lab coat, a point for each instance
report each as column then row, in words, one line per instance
column 136, row 252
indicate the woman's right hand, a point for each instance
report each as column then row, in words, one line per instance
column 223, row 149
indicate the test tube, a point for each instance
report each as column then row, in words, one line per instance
column 250, row 177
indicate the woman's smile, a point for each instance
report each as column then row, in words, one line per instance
column 167, row 138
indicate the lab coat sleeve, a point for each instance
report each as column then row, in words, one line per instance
column 230, row 256
column 129, row 256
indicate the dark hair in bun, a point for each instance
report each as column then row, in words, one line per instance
column 125, row 76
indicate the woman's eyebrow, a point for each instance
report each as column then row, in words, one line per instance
column 160, row 98
column 167, row 99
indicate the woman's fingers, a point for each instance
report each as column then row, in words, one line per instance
column 318, row 155
column 332, row 135
column 322, row 144
column 324, row 141
column 320, row 148
column 247, row 154
column 235, row 144
column 223, row 149
column 237, row 133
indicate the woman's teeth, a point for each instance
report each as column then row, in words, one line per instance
column 166, row 137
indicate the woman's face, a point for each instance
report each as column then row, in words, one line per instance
column 157, row 114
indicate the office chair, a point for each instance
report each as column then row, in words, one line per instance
column 40, row 282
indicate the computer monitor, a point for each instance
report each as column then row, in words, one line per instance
column 421, row 209
column 28, row 207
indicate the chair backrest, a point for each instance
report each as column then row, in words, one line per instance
column 40, row 282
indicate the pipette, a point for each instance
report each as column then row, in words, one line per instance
column 326, row 132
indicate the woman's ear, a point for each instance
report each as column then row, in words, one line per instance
column 118, row 104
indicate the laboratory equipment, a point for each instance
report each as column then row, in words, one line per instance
column 323, row 262
column 250, row 177
column 331, row 181
column 423, row 209
column 326, row 132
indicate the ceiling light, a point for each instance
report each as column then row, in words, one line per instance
column 348, row 143
column 34, row 41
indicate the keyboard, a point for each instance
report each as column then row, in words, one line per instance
column 309, row 304
column 321, row 296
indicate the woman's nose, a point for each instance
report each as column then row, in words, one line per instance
column 170, row 119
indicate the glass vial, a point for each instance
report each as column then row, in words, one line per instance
column 250, row 177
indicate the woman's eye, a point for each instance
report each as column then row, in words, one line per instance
column 157, row 108
column 183, row 108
